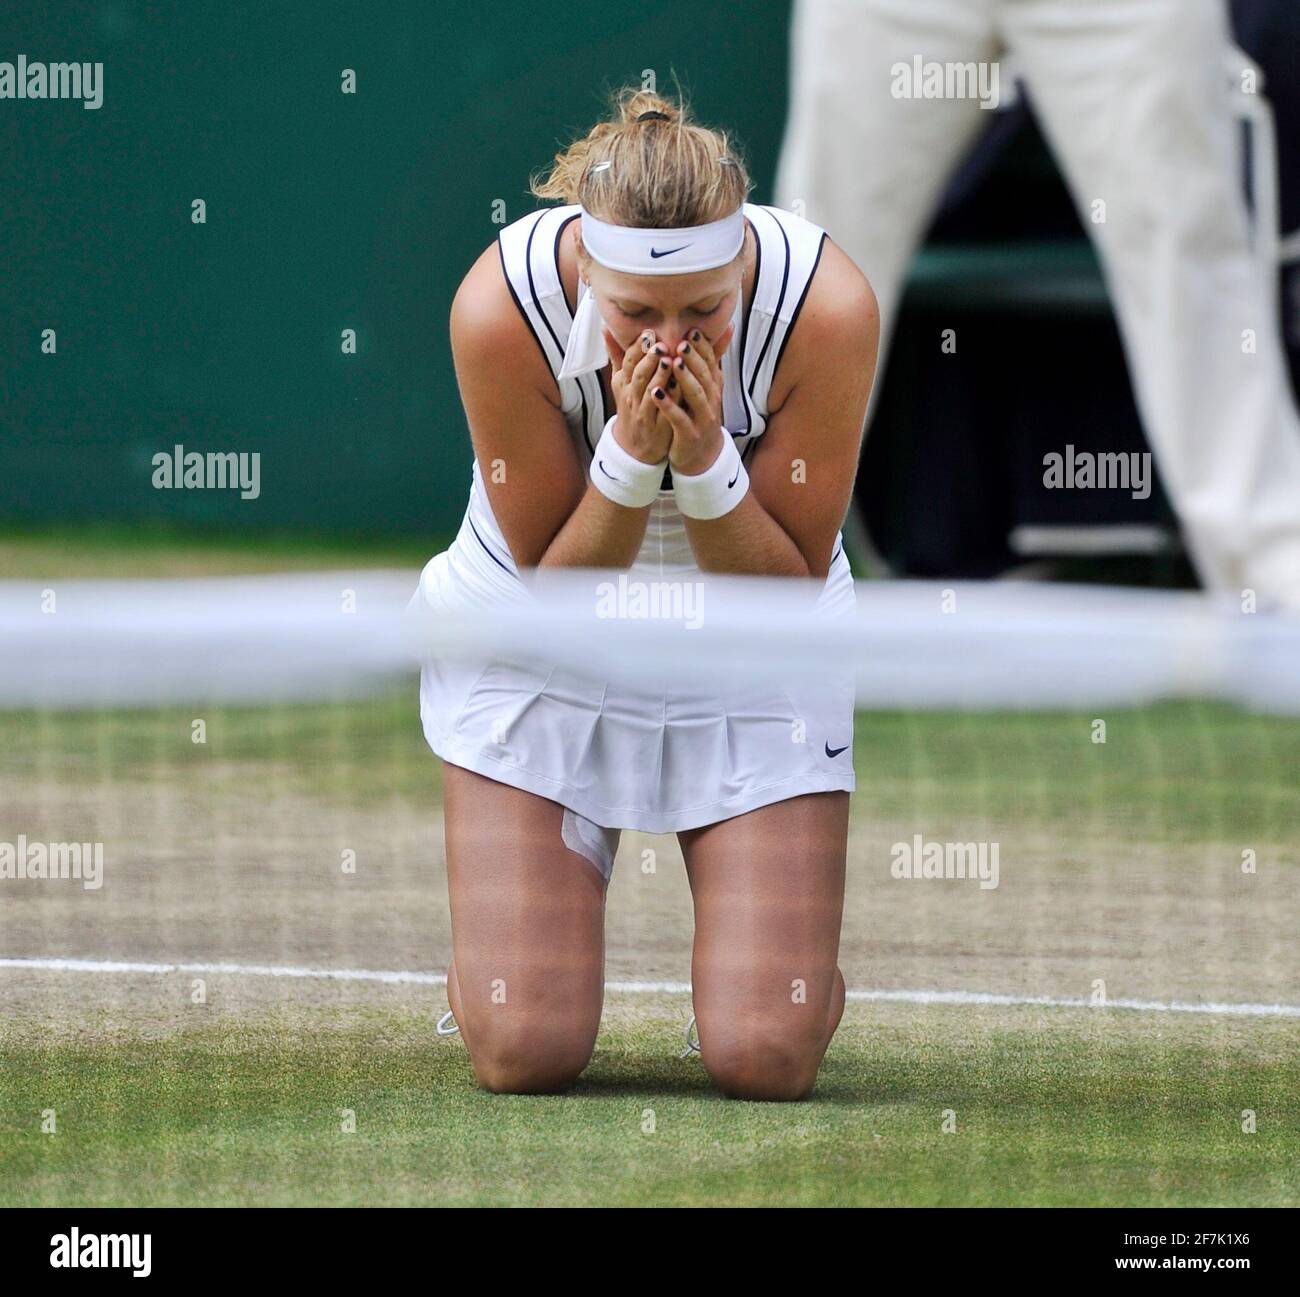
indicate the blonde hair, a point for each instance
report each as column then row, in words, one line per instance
column 661, row 174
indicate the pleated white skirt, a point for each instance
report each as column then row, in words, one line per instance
column 632, row 758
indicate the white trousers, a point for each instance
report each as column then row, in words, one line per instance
column 1132, row 96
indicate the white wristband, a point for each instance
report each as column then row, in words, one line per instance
column 716, row 491
column 622, row 477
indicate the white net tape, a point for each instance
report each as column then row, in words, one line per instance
column 910, row 644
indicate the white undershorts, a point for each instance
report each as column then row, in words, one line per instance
column 598, row 845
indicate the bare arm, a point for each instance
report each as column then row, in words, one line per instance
column 803, row 468
column 550, row 514
column 598, row 533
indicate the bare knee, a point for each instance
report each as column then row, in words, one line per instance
column 529, row 1061
column 762, row 1062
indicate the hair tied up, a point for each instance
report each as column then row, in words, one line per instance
column 673, row 176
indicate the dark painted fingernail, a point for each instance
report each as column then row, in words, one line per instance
column 663, row 364
column 695, row 337
column 686, row 346
column 660, row 349
column 680, row 363
column 672, row 382
column 659, row 393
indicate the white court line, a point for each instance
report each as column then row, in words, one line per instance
column 652, row 988
column 244, row 970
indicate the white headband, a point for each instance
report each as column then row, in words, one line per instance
column 664, row 252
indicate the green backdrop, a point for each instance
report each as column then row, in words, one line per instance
column 325, row 212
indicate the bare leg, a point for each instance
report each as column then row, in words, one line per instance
column 527, row 976
column 769, row 900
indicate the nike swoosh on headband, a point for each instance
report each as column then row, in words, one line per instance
column 834, row 752
column 734, row 480
column 669, row 252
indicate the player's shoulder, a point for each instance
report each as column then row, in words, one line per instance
column 838, row 321
column 840, row 299
column 483, row 304
column 488, row 323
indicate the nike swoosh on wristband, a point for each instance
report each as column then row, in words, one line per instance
column 610, row 475
column 834, row 752
column 667, row 252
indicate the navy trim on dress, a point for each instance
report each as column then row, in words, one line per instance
column 505, row 274
column 817, row 260
column 780, row 301
column 532, row 288
column 487, row 549
column 745, row 399
column 559, row 234
column 568, row 310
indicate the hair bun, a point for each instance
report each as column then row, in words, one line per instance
column 653, row 114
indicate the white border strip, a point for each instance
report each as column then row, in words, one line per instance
column 651, row 988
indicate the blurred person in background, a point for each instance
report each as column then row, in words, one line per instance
column 1134, row 99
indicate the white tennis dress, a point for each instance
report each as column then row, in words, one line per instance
column 619, row 757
